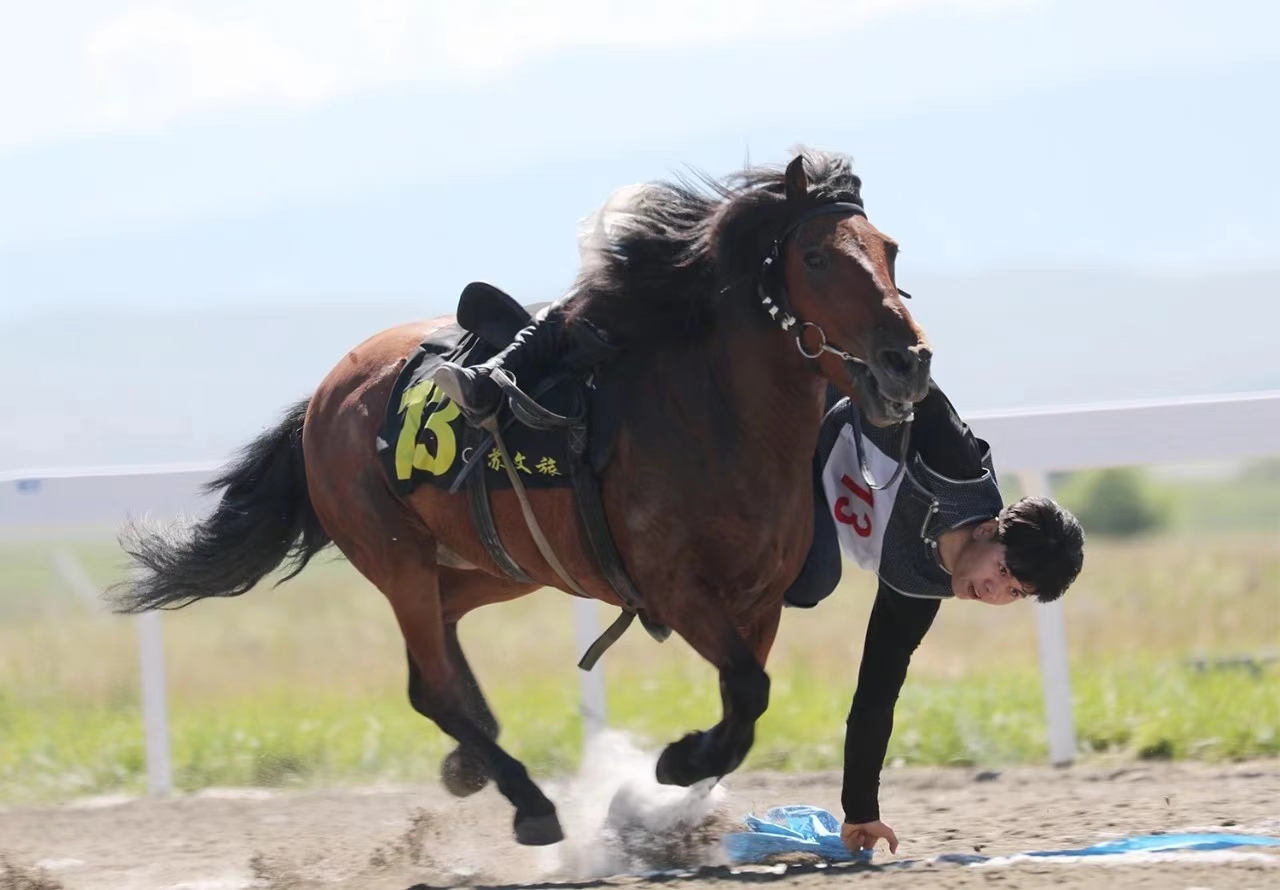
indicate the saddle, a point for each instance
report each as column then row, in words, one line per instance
column 567, row 422
column 581, row 395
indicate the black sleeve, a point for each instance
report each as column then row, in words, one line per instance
column 943, row 440
column 898, row 624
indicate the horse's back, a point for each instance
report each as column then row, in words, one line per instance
column 348, row 405
column 377, row 358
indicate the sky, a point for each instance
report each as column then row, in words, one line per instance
column 83, row 68
column 117, row 116
column 1090, row 185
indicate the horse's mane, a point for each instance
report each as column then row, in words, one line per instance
column 663, row 258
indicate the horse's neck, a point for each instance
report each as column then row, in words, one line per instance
column 776, row 397
column 739, row 414
column 712, row 481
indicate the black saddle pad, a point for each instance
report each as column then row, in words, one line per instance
column 426, row 441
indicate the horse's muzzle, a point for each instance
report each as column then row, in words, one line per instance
column 902, row 373
column 889, row 386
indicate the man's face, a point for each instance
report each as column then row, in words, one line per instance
column 981, row 572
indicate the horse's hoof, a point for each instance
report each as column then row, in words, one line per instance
column 463, row 774
column 676, row 765
column 538, row 831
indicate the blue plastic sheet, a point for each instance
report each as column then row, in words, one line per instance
column 790, row 829
column 806, row 829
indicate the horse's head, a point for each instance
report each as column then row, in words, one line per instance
column 664, row 263
column 829, row 281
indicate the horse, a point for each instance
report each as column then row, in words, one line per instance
column 736, row 303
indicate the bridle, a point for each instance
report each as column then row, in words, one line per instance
column 779, row 309
column 771, row 272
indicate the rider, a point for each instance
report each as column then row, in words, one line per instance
column 539, row 346
column 535, row 349
column 937, row 531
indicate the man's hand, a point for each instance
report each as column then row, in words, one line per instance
column 863, row 836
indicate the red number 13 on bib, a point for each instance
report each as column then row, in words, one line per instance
column 861, row 522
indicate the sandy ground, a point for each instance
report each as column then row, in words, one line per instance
column 393, row 838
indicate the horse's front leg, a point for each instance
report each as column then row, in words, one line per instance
column 739, row 654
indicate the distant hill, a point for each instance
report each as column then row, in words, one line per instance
column 102, row 387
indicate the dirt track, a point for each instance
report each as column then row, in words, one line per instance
column 394, row 838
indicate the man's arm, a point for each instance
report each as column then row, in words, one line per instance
column 897, row 626
column 942, row 438
column 898, row 623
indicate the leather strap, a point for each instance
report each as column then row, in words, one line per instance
column 590, row 511
column 482, row 516
column 544, row 546
column 611, row 635
column 596, row 524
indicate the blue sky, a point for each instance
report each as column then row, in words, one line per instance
column 124, row 116
column 85, row 67
column 1089, row 185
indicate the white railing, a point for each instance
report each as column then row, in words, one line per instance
column 1035, row 442
column 1029, row 443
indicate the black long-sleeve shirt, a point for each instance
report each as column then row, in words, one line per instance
column 898, row 622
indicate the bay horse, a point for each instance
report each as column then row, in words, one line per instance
column 737, row 302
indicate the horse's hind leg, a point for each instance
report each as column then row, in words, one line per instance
column 744, row 695
column 438, row 695
column 400, row 561
column 463, row 771
column 390, row 546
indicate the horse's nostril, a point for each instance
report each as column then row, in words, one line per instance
column 898, row 362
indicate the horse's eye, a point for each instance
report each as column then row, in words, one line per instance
column 815, row 259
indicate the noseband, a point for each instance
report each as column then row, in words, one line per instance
column 780, row 311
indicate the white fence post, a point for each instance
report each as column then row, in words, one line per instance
column 1055, row 677
column 155, row 710
column 587, row 626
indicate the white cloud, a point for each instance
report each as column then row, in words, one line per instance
column 494, row 35
column 82, row 66
column 152, row 64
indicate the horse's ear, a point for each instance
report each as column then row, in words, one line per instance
column 797, row 180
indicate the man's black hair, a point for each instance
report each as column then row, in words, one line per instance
column 1044, row 545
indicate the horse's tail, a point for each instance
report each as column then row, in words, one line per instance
column 265, row 517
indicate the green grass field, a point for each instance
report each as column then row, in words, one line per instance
column 304, row 684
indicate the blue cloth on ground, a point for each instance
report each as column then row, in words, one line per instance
column 790, row 829
column 807, row 829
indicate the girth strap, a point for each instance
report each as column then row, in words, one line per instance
column 596, row 524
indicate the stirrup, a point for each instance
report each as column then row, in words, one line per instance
column 526, row 408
